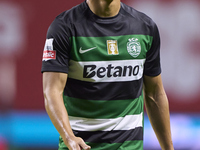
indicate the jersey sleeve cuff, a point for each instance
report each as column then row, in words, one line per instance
column 54, row 69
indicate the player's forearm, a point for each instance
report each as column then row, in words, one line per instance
column 158, row 111
column 56, row 110
column 53, row 86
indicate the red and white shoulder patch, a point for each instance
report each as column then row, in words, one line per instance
column 49, row 53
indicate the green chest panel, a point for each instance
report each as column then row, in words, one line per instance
column 126, row 47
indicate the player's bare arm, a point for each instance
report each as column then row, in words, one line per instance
column 53, row 85
column 157, row 107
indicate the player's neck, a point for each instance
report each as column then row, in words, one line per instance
column 104, row 8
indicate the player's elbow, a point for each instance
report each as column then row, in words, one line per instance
column 48, row 94
column 46, row 102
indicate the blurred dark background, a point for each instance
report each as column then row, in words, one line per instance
column 24, row 124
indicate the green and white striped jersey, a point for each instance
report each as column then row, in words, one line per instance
column 105, row 59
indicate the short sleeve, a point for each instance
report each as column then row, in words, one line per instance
column 57, row 48
column 152, row 65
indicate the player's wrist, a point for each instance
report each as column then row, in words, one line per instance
column 172, row 148
column 69, row 136
column 168, row 147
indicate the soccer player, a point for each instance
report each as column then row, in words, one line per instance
column 96, row 59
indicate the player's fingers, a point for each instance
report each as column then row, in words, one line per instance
column 84, row 145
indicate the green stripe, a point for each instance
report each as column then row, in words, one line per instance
column 101, row 54
column 127, row 145
column 100, row 109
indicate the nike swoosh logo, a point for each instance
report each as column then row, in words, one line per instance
column 86, row 50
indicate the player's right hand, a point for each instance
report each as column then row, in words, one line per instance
column 77, row 143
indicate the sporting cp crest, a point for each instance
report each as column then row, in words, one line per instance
column 133, row 47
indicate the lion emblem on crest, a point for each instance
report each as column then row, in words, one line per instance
column 134, row 47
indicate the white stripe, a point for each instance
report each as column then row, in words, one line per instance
column 116, row 72
column 122, row 123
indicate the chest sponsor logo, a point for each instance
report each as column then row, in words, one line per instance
column 49, row 53
column 110, row 71
column 112, row 47
column 134, row 47
column 107, row 71
column 81, row 51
